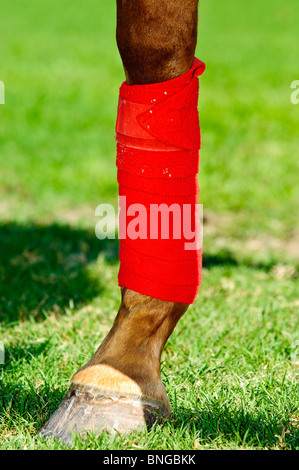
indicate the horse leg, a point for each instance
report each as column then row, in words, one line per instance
column 120, row 387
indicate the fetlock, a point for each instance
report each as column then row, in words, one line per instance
column 128, row 360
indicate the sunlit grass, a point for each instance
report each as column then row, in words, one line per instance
column 231, row 366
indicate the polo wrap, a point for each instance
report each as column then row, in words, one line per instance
column 158, row 142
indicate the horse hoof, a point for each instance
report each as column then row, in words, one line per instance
column 85, row 409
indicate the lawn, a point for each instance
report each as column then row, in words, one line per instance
column 231, row 366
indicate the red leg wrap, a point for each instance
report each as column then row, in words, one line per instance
column 158, row 145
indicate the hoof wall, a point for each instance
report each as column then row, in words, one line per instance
column 86, row 409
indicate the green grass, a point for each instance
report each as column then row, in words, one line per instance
column 231, row 366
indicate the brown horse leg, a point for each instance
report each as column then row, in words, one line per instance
column 120, row 387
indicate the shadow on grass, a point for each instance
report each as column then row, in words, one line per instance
column 216, row 425
column 23, row 401
column 229, row 426
column 226, row 257
column 46, row 268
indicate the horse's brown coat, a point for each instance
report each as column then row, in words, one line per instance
column 156, row 40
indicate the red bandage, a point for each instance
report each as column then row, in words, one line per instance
column 158, row 137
